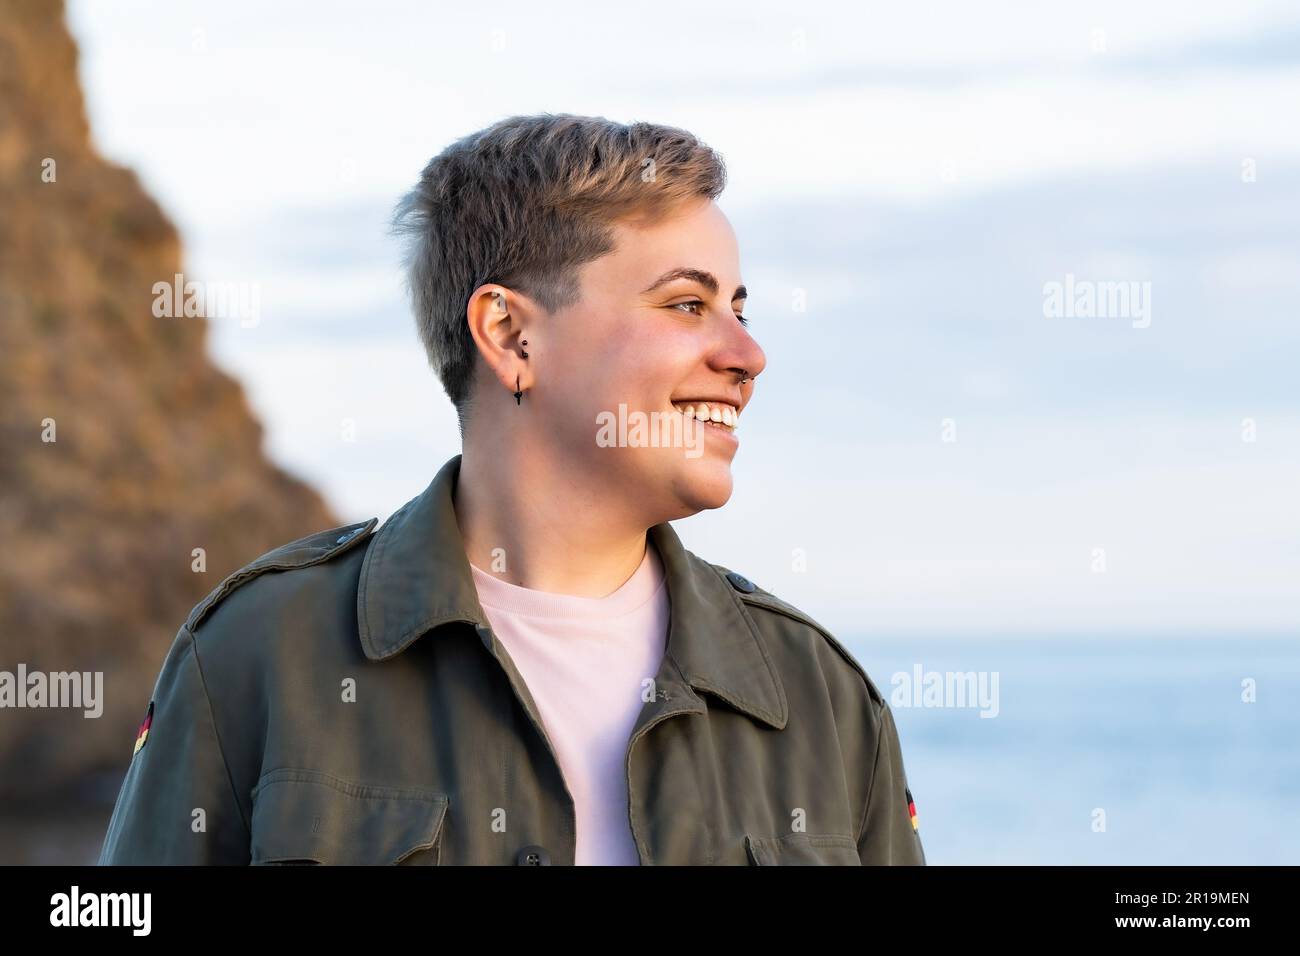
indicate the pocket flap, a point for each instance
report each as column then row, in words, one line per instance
column 803, row 849
column 311, row 817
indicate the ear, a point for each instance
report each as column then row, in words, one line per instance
column 496, row 317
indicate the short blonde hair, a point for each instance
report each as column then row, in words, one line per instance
column 524, row 203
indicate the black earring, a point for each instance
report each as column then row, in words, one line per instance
column 518, row 394
column 525, row 342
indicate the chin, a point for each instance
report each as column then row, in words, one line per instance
column 703, row 486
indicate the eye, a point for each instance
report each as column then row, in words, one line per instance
column 696, row 302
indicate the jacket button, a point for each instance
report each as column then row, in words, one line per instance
column 740, row 582
column 533, row 855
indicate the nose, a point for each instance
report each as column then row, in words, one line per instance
column 745, row 356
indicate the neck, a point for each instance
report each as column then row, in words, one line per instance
column 560, row 530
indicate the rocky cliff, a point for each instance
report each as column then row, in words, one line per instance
column 122, row 448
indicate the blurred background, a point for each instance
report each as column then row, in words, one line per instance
column 1027, row 278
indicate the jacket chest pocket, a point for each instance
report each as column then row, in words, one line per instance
column 307, row 817
column 802, row 849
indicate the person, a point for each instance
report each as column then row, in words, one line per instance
column 524, row 665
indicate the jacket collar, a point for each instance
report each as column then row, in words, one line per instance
column 416, row 579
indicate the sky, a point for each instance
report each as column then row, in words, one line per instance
column 908, row 184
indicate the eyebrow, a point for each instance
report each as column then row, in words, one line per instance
column 706, row 279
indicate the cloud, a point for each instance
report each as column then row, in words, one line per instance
column 914, row 177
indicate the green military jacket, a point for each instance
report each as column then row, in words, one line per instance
column 343, row 700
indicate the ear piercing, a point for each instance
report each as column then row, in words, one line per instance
column 518, row 392
column 501, row 305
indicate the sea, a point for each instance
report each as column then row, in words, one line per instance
column 1103, row 751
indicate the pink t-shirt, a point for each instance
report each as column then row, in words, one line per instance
column 586, row 661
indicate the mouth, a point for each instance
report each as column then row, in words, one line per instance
column 720, row 415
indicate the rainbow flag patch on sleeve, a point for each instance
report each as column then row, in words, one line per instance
column 911, row 808
column 142, row 734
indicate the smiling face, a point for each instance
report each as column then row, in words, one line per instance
column 657, row 329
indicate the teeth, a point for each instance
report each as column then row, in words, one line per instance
column 724, row 416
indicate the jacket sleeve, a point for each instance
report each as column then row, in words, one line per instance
column 888, row 836
column 177, row 804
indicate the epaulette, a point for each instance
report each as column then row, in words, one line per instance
column 753, row 595
column 312, row 549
